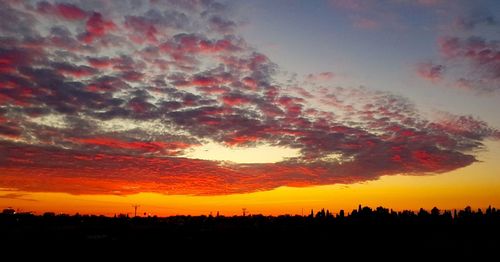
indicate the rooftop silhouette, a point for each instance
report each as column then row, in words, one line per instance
column 362, row 227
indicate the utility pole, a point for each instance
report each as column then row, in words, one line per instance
column 135, row 209
column 244, row 211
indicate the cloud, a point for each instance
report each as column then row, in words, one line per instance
column 222, row 25
column 363, row 14
column 16, row 21
column 361, row 5
column 355, row 5
column 62, row 10
column 430, row 3
column 140, row 27
column 430, row 71
column 477, row 57
column 321, row 77
column 366, row 23
column 123, row 174
column 472, row 21
column 96, row 27
column 468, row 55
column 115, row 145
column 465, row 126
column 17, row 196
column 370, row 15
column 74, row 71
column 10, row 130
column 112, row 102
column 100, row 62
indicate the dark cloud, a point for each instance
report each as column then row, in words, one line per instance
column 15, row 21
column 74, row 71
column 430, row 71
column 222, row 25
column 472, row 21
column 170, row 18
column 321, row 77
column 62, row 38
column 9, row 130
column 110, row 100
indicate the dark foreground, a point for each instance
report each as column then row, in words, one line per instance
column 466, row 231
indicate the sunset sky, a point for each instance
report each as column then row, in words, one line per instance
column 279, row 107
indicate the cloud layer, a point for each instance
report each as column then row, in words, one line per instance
column 107, row 98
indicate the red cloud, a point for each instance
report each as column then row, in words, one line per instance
column 62, row 10
column 132, row 76
column 250, row 83
column 236, row 99
column 8, row 62
column 10, row 130
column 204, row 81
column 426, row 159
column 96, row 27
column 239, row 101
column 100, row 62
column 189, row 44
column 241, row 140
column 11, row 57
column 292, row 105
column 464, row 126
column 78, row 173
column 141, row 29
column 70, row 12
column 169, row 148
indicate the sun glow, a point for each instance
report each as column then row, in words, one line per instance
column 258, row 154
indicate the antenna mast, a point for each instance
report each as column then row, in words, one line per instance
column 135, row 209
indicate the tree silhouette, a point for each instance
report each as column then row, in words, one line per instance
column 398, row 229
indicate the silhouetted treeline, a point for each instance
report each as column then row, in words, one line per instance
column 460, row 230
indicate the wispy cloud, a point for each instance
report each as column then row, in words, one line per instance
column 320, row 77
column 386, row 14
column 17, row 196
column 366, row 23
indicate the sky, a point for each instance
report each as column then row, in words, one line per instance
column 203, row 106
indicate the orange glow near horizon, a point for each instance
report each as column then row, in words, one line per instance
column 476, row 186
